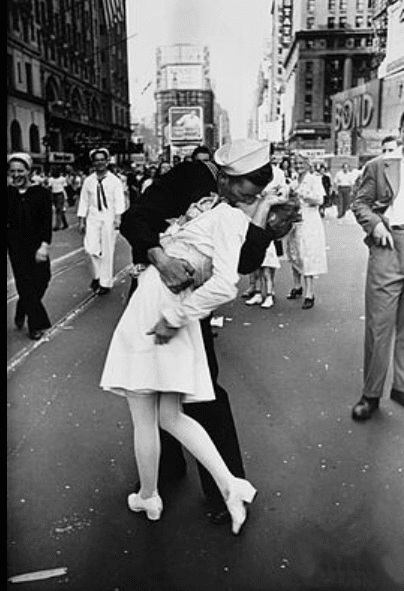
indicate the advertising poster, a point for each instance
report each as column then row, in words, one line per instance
column 186, row 123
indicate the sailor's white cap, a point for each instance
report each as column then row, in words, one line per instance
column 242, row 156
column 22, row 156
column 99, row 151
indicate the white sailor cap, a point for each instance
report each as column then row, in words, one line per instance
column 22, row 156
column 99, row 151
column 242, row 156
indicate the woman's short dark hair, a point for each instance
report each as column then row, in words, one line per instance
column 260, row 177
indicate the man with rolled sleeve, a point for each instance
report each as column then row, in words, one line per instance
column 379, row 208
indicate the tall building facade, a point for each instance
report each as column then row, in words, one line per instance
column 67, row 79
column 183, row 91
column 365, row 114
column 332, row 49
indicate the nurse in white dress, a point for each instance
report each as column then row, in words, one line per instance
column 157, row 358
column 305, row 244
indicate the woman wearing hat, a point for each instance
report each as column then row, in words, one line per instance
column 29, row 234
column 305, row 244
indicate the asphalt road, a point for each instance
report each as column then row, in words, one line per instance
column 330, row 510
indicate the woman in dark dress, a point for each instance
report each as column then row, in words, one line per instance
column 29, row 234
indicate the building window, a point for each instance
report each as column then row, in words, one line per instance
column 331, row 4
column 343, row 4
column 16, row 136
column 369, row 21
column 19, row 77
column 34, row 143
column 343, row 22
column 10, row 71
column 360, row 5
column 359, row 22
column 310, row 22
column 311, row 4
column 308, row 104
column 370, row 3
column 331, row 22
column 28, row 76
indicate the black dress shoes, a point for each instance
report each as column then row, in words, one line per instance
column 95, row 285
column 35, row 335
column 19, row 322
column 295, row 293
column 397, row 396
column 308, row 303
column 363, row 410
column 103, row 290
column 219, row 516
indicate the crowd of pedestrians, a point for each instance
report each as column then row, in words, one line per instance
column 193, row 227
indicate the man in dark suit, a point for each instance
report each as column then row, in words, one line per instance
column 379, row 208
column 244, row 170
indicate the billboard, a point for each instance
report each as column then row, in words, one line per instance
column 394, row 60
column 183, row 77
column 357, row 108
column 185, row 124
column 182, row 53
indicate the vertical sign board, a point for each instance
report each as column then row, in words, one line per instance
column 286, row 22
column 185, row 124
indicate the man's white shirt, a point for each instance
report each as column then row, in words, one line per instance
column 395, row 211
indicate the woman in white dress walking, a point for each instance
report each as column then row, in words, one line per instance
column 157, row 358
column 305, row 244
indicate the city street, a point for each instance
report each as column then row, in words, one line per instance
column 329, row 515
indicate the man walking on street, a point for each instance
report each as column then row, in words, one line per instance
column 102, row 202
column 343, row 184
column 379, row 208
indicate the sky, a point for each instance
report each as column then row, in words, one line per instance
column 234, row 31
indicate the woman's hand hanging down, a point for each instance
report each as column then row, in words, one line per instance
column 163, row 333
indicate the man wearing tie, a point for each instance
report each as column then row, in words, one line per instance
column 102, row 202
column 379, row 208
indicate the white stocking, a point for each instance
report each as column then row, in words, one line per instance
column 144, row 412
column 194, row 437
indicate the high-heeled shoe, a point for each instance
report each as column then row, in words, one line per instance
column 239, row 492
column 308, row 303
column 153, row 506
column 295, row 293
